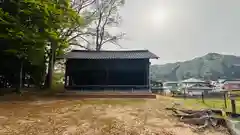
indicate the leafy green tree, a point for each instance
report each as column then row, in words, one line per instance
column 31, row 31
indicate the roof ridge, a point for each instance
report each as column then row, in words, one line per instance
column 107, row 54
column 111, row 50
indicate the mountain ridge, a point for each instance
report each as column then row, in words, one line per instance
column 210, row 66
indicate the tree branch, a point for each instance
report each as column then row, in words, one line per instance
column 97, row 30
column 115, row 43
column 85, row 40
column 82, row 46
column 112, row 39
column 88, row 4
column 105, row 22
column 79, row 35
column 81, row 5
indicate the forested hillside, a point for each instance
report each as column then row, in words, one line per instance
column 210, row 66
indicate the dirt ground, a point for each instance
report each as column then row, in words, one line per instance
column 93, row 117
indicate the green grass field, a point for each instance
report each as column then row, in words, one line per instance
column 211, row 103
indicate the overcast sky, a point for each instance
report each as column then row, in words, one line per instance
column 178, row 30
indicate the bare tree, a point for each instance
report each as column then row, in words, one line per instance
column 79, row 25
column 107, row 16
column 98, row 18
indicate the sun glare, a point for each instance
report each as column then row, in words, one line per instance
column 158, row 17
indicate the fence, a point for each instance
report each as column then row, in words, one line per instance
column 225, row 100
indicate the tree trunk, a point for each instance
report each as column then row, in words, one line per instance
column 51, row 64
column 19, row 86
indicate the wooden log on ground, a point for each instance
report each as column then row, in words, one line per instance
column 203, row 121
column 231, row 125
column 195, row 114
column 201, row 118
column 196, row 111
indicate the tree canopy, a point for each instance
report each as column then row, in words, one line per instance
column 29, row 31
column 33, row 33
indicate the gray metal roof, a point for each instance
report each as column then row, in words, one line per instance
column 130, row 54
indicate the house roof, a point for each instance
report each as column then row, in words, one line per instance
column 168, row 82
column 192, row 80
column 129, row 54
column 231, row 81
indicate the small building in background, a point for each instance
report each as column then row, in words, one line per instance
column 193, row 86
column 198, row 89
column 192, row 81
column 231, row 85
column 171, row 84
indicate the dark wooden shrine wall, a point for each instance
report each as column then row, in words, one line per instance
column 108, row 72
column 111, row 64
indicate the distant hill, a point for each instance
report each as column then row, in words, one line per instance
column 211, row 66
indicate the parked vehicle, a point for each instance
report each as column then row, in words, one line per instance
column 171, row 88
column 156, row 86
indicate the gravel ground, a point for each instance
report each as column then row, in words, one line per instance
column 93, row 117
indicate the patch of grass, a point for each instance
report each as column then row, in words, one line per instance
column 210, row 103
